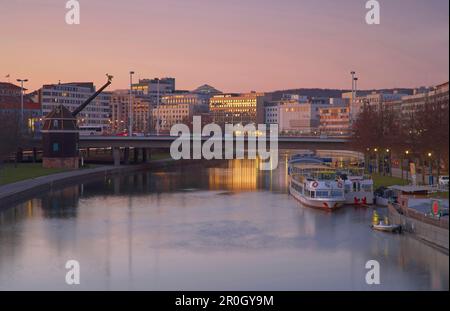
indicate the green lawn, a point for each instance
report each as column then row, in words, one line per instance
column 380, row 180
column 439, row 195
column 10, row 174
column 160, row 156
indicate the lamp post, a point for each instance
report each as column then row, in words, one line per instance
column 352, row 103
column 157, row 108
column 430, row 163
column 401, row 163
column 407, row 169
column 130, row 107
column 21, row 81
column 377, row 162
column 388, row 151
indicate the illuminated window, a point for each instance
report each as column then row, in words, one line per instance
column 55, row 147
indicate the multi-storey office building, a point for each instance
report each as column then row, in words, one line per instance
column 238, row 108
column 375, row 100
column 368, row 99
column 169, row 114
column 296, row 116
column 120, row 107
column 189, row 98
column 416, row 102
column 72, row 95
column 297, row 119
column 9, row 89
column 335, row 120
column 271, row 114
column 151, row 87
column 10, row 106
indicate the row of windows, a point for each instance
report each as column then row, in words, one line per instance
column 334, row 193
column 65, row 94
column 233, row 101
column 325, row 111
column 172, row 111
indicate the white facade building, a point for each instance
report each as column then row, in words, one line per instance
column 72, row 95
column 294, row 117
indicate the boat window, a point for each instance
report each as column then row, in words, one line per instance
column 297, row 188
column 322, row 194
column 313, row 194
column 336, row 193
column 354, row 187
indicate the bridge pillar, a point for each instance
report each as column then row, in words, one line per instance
column 34, row 155
column 116, row 156
column 126, row 156
column 145, row 155
column 19, row 155
column 136, row 155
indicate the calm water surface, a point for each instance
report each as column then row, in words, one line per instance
column 229, row 227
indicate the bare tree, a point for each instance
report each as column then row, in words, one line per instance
column 377, row 131
column 433, row 133
column 10, row 135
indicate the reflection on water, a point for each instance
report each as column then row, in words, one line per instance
column 229, row 227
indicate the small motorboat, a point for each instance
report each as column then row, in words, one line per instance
column 387, row 227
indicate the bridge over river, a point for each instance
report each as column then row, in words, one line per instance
column 146, row 143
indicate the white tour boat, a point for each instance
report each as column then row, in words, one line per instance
column 358, row 188
column 315, row 185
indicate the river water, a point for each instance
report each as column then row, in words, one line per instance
column 223, row 227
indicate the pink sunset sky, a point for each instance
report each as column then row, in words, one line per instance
column 233, row 45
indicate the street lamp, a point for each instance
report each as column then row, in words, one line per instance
column 430, row 178
column 157, row 107
column 21, row 81
column 352, row 104
column 389, row 159
column 130, row 107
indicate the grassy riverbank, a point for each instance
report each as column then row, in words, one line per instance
column 440, row 195
column 10, row 174
column 160, row 156
column 386, row 181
